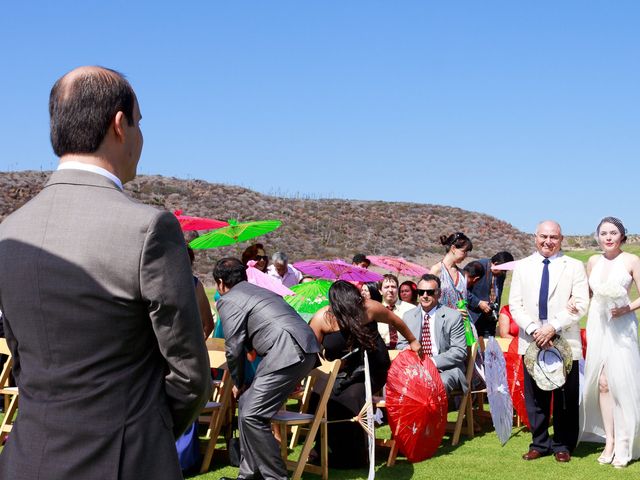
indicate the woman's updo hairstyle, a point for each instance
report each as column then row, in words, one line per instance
column 458, row 240
column 614, row 221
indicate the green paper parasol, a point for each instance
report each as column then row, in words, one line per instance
column 309, row 296
column 234, row 233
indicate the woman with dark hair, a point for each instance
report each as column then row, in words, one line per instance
column 408, row 292
column 452, row 278
column 256, row 252
column 346, row 328
column 371, row 290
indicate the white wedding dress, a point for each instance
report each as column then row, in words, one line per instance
column 612, row 345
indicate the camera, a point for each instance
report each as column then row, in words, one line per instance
column 494, row 309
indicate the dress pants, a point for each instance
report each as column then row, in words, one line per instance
column 259, row 450
column 565, row 413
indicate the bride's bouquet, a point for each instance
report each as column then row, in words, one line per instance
column 612, row 293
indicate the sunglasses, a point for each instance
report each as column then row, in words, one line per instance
column 261, row 257
column 429, row 291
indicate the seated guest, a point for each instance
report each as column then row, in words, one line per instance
column 346, row 328
column 370, row 290
column 256, row 252
column 507, row 327
column 281, row 270
column 441, row 333
column 360, row 260
column 390, row 300
column 484, row 296
column 408, row 292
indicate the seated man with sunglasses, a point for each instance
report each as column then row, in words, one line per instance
column 441, row 333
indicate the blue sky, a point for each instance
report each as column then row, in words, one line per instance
column 521, row 110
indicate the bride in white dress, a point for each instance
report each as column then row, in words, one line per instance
column 610, row 408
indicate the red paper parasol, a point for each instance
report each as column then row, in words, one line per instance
column 515, row 379
column 198, row 223
column 417, row 405
column 399, row 265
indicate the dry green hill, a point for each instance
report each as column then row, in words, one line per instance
column 312, row 228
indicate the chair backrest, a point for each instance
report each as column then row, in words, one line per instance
column 8, row 364
column 503, row 342
column 393, row 354
column 321, row 380
column 4, row 347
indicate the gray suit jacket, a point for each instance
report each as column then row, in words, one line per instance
column 101, row 318
column 256, row 318
column 452, row 346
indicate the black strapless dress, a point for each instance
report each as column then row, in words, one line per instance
column 347, row 440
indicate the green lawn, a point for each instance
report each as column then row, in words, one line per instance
column 479, row 458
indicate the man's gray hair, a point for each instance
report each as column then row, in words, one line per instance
column 280, row 257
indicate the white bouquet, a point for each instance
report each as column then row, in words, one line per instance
column 611, row 291
column 612, row 294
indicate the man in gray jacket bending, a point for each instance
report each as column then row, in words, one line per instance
column 254, row 318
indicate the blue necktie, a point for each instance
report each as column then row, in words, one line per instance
column 544, row 291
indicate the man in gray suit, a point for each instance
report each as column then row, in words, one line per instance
column 99, row 304
column 441, row 333
column 254, row 318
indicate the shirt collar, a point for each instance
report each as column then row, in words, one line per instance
column 431, row 313
column 551, row 258
column 87, row 167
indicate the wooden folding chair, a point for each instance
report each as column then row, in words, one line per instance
column 10, row 393
column 321, row 380
column 465, row 411
column 390, row 443
column 216, row 411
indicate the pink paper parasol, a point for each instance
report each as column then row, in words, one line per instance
column 506, row 265
column 198, row 223
column 263, row 280
column 337, row 270
column 399, row 265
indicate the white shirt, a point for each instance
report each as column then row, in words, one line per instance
column 432, row 329
column 532, row 327
column 87, row 167
column 400, row 308
column 292, row 277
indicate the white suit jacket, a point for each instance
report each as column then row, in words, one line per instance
column 567, row 278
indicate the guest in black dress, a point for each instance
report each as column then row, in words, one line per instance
column 346, row 328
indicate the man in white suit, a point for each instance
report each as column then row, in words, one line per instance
column 541, row 287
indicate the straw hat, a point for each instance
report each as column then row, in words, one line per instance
column 549, row 367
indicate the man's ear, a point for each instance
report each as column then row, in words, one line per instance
column 118, row 125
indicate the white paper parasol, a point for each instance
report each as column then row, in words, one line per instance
column 500, row 403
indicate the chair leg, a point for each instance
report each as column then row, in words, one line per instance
column 9, row 413
column 284, row 453
column 324, row 455
column 462, row 411
column 469, row 418
column 393, row 453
